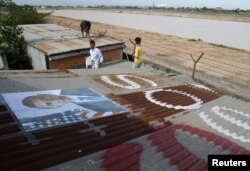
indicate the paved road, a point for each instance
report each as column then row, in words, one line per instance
column 234, row 34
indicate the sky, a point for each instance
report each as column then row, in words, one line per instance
column 227, row 4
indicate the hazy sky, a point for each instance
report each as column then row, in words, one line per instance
column 228, row 4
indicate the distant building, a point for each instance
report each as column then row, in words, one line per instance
column 54, row 47
column 161, row 6
column 218, row 8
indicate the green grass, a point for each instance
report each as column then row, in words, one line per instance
column 161, row 55
column 227, row 47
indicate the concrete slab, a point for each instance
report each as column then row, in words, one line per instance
column 84, row 79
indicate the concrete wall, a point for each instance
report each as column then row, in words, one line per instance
column 3, row 63
column 79, row 61
column 38, row 59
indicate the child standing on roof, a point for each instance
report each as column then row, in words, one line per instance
column 95, row 58
column 138, row 59
column 85, row 28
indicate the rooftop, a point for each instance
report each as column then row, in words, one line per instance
column 171, row 123
column 19, row 81
column 53, row 39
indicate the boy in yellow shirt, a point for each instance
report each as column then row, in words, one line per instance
column 138, row 59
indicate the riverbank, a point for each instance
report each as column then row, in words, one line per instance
column 241, row 17
column 189, row 14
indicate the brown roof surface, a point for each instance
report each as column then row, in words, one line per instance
column 139, row 102
column 54, row 39
column 173, row 147
column 183, row 142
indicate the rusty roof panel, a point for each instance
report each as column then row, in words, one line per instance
column 173, row 147
column 45, row 47
column 160, row 103
column 67, row 43
column 58, row 145
column 55, row 35
column 47, row 148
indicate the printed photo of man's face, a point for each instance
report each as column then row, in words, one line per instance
column 46, row 101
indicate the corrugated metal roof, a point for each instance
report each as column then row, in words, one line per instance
column 53, row 39
column 47, row 148
column 62, row 144
column 169, row 128
column 174, row 147
column 183, row 142
column 160, row 103
column 225, row 116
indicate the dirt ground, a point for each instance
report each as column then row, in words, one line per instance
column 227, row 69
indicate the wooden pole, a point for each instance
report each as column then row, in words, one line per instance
column 195, row 63
column 131, row 41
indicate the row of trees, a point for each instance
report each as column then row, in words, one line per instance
column 12, row 43
column 202, row 9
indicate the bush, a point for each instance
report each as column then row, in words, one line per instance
column 12, row 44
column 26, row 14
column 4, row 3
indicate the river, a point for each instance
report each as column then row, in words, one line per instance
column 228, row 33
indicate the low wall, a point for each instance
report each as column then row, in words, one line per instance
column 79, row 61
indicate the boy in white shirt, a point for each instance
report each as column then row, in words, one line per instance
column 95, row 56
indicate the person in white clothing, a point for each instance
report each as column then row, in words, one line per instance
column 95, row 58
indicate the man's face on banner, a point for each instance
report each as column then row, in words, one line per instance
column 46, row 101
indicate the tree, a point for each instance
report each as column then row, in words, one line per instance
column 12, row 44
column 204, row 9
column 5, row 3
column 237, row 10
column 26, row 14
